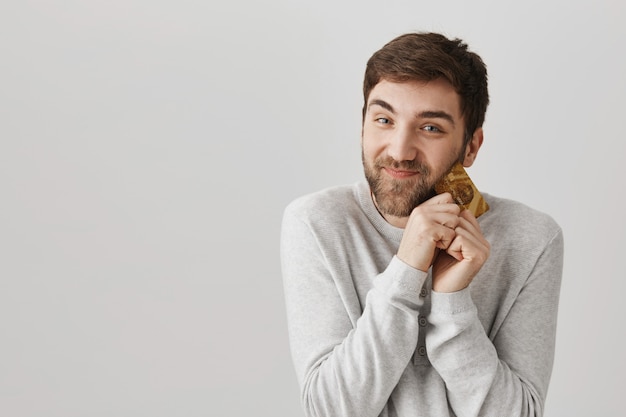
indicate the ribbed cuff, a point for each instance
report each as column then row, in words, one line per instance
column 452, row 302
column 401, row 280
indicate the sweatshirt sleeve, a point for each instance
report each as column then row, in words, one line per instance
column 509, row 375
column 345, row 367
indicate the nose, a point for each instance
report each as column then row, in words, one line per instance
column 402, row 145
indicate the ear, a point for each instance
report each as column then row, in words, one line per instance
column 472, row 148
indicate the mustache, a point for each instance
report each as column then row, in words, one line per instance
column 412, row 165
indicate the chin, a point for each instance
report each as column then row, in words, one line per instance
column 401, row 205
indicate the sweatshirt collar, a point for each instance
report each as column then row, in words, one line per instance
column 376, row 219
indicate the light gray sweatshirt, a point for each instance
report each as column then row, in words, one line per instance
column 369, row 338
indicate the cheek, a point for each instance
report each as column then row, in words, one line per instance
column 441, row 161
column 372, row 142
column 372, row 156
column 366, row 145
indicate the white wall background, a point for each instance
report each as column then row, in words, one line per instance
column 147, row 149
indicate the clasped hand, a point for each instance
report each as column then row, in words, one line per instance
column 440, row 235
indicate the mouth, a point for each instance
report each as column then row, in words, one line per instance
column 400, row 173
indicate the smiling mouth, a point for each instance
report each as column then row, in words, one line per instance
column 400, row 173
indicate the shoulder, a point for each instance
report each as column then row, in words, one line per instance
column 516, row 223
column 326, row 220
column 506, row 209
column 330, row 204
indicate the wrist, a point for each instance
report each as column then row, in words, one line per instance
column 421, row 262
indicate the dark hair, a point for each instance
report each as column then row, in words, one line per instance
column 429, row 56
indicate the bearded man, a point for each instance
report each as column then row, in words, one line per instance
column 400, row 303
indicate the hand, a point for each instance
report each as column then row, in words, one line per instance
column 431, row 226
column 456, row 267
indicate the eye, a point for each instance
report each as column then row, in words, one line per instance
column 382, row 120
column 431, row 128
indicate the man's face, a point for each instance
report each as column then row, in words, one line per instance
column 412, row 135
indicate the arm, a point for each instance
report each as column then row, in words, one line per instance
column 345, row 368
column 508, row 376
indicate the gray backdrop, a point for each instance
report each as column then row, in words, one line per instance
column 148, row 148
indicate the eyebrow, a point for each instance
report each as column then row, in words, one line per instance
column 437, row 114
column 426, row 114
column 383, row 104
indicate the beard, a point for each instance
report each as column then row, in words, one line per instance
column 396, row 197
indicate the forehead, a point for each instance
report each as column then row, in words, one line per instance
column 418, row 96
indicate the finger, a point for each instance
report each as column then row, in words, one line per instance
column 443, row 198
column 444, row 214
column 430, row 208
column 447, row 219
column 469, row 224
column 420, row 240
column 439, row 214
column 447, row 214
column 445, row 236
column 468, row 243
column 469, row 216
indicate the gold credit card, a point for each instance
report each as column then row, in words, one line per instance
column 463, row 190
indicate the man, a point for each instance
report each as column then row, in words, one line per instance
column 400, row 303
